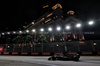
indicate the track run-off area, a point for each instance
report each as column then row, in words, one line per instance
column 43, row 61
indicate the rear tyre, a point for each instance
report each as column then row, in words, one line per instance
column 49, row 59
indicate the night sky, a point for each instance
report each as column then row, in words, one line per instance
column 16, row 14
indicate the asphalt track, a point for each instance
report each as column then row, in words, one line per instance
column 42, row 61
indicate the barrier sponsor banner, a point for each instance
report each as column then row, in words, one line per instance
column 46, row 53
column 71, row 52
column 6, row 53
column 14, row 53
column 87, row 52
column 1, row 49
column 99, row 52
column 24, row 53
column 34, row 53
column 57, row 53
column 0, row 53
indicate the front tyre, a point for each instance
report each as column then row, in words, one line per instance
column 76, row 59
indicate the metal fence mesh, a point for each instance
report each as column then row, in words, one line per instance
column 74, row 46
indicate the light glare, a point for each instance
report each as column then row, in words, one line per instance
column 32, row 22
column 91, row 23
column 8, row 33
column 50, row 29
column 14, row 32
column 78, row 25
column 58, row 28
column 27, row 31
column 33, row 30
column 67, row 27
column 20, row 31
column 42, row 29
column 3, row 33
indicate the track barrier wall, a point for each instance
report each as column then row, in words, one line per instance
column 72, row 47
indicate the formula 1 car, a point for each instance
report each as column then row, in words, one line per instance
column 74, row 57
